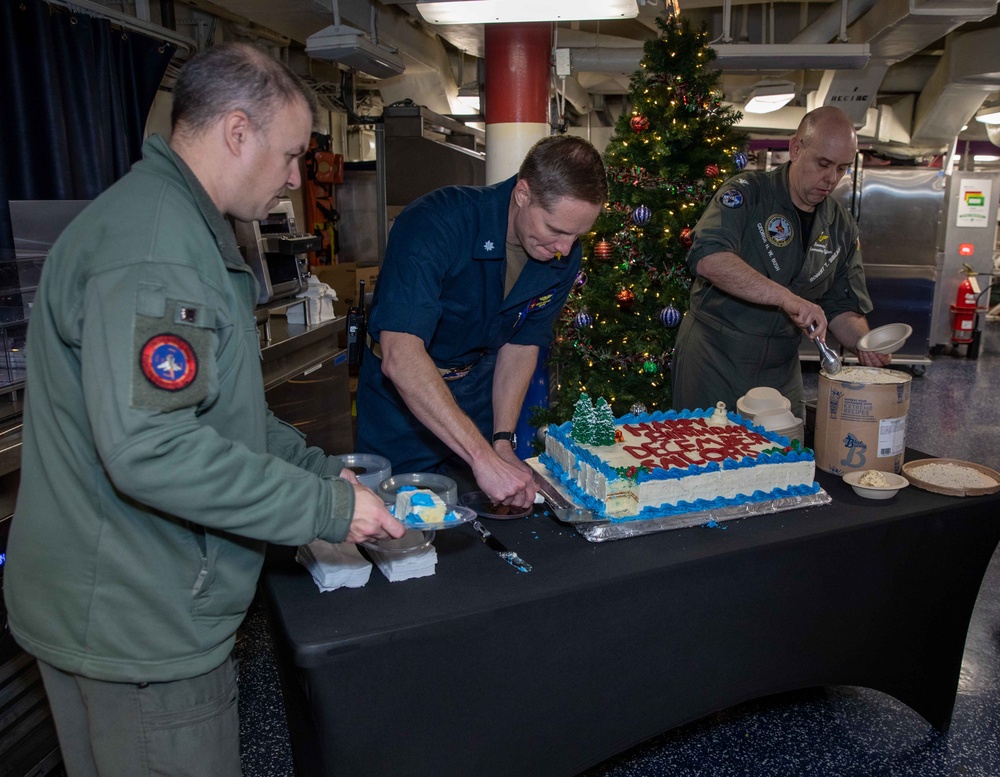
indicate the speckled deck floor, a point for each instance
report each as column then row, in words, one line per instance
column 827, row 732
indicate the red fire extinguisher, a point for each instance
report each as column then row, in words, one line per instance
column 963, row 312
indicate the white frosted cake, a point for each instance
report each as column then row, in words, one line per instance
column 668, row 463
column 418, row 505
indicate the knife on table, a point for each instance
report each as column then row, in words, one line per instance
column 564, row 509
column 500, row 549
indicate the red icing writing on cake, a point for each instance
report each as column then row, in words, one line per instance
column 684, row 442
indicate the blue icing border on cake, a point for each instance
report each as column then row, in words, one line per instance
column 563, row 433
column 699, row 505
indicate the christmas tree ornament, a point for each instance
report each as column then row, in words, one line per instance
column 603, row 250
column 638, row 408
column 625, row 298
column 639, row 123
column 686, row 239
column 641, row 215
column 711, row 170
column 740, row 160
column 670, row 316
column 583, row 319
column 581, row 280
column 649, row 366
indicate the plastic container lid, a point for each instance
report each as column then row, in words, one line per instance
column 444, row 487
column 370, row 469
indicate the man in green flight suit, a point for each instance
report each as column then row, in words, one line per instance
column 772, row 255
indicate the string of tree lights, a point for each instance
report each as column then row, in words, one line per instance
column 666, row 158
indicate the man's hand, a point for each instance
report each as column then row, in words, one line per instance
column 505, row 478
column 371, row 519
column 872, row 359
column 803, row 314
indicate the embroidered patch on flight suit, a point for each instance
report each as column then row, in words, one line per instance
column 731, row 198
column 542, row 300
column 168, row 362
column 779, row 230
column 172, row 344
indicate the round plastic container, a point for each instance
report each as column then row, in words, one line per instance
column 370, row 469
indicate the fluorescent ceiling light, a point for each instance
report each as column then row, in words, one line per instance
column 986, row 158
column 989, row 115
column 488, row 11
column 767, row 98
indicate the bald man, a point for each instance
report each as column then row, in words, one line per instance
column 772, row 255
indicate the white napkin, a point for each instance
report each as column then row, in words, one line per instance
column 334, row 566
column 396, row 567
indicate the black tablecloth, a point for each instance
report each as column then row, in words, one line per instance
column 483, row 670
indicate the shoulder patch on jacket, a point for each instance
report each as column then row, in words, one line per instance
column 169, row 351
column 731, row 198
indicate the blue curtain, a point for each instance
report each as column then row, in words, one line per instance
column 76, row 93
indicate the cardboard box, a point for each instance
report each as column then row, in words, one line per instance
column 861, row 424
column 345, row 279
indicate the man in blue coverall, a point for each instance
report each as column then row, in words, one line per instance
column 472, row 281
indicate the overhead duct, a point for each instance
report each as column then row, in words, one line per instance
column 967, row 73
column 776, row 57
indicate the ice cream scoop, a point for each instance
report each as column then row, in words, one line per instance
column 827, row 358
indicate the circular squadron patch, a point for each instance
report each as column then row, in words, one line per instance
column 168, row 362
column 731, row 198
column 779, row 230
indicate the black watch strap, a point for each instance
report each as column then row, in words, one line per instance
column 508, row 436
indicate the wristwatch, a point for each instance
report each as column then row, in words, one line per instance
column 508, row 436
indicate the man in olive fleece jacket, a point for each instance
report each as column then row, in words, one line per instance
column 152, row 471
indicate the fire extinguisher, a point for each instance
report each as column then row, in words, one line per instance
column 963, row 312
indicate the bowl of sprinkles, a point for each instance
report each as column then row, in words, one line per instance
column 952, row 477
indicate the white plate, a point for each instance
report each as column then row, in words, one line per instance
column 456, row 516
column 895, row 483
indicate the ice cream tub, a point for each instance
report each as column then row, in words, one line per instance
column 861, row 420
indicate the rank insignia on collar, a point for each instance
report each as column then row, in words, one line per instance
column 488, row 245
column 168, row 362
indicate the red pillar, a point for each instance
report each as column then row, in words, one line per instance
column 516, row 106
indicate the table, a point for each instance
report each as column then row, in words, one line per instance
column 481, row 670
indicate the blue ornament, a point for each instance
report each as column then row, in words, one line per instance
column 641, row 215
column 670, row 316
column 740, row 160
column 583, row 319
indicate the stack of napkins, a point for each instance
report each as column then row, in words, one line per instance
column 396, row 566
column 334, row 566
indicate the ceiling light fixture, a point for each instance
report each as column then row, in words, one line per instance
column 348, row 46
column 490, row 11
column 766, row 98
column 989, row 115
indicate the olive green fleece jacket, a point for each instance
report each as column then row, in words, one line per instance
column 152, row 470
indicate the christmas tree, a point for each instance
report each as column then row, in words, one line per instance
column 615, row 337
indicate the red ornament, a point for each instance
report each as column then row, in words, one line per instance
column 603, row 250
column 686, row 239
column 639, row 123
column 625, row 298
column 712, row 171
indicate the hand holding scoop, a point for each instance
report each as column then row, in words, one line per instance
column 827, row 358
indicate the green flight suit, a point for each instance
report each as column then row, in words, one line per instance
column 725, row 345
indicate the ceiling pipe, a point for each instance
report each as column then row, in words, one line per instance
column 833, row 22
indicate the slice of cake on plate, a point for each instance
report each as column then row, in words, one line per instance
column 418, row 505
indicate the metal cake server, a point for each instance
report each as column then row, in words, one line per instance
column 500, row 549
column 565, row 510
column 827, row 358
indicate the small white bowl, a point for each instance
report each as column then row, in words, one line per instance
column 895, row 483
column 762, row 399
